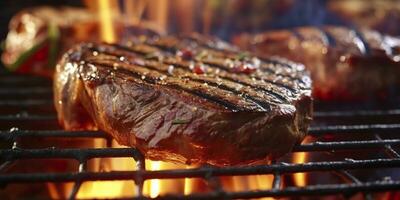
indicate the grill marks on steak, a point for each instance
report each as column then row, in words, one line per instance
column 223, row 87
column 271, row 101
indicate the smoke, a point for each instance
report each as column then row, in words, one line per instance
column 257, row 16
column 307, row 13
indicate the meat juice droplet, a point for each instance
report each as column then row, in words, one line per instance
column 171, row 69
column 244, row 68
column 115, row 66
column 185, row 54
column 199, row 69
column 14, row 129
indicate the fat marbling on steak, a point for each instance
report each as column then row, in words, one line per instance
column 188, row 99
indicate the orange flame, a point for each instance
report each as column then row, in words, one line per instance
column 152, row 187
column 188, row 184
column 254, row 182
column 300, row 179
column 157, row 187
column 106, row 21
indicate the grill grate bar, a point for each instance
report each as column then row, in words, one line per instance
column 338, row 129
column 215, row 184
column 141, row 166
column 315, row 130
column 316, row 190
column 78, row 183
column 388, row 148
column 199, row 172
column 12, row 154
column 28, row 80
column 345, row 145
column 5, row 165
column 30, row 102
column 16, row 133
column 276, row 182
column 78, row 154
column 16, row 153
column 357, row 113
column 347, row 176
column 25, row 116
column 26, row 91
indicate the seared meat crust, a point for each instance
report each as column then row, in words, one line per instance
column 190, row 99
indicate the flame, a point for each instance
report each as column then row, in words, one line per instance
column 255, row 182
column 188, row 184
column 108, row 189
column 158, row 13
column 300, row 179
column 106, row 21
column 157, row 187
column 53, row 191
column 101, row 189
column 97, row 189
column 133, row 11
column 152, row 187
column 248, row 183
column 261, row 182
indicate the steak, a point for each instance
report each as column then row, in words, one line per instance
column 38, row 36
column 187, row 99
column 345, row 63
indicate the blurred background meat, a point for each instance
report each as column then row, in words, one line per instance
column 345, row 63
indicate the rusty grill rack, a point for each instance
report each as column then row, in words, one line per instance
column 21, row 93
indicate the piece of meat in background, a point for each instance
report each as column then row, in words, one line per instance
column 345, row 64
column 38, row 36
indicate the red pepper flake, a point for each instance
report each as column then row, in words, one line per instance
column 245, row 68
column 199, row 69
column 185, row 54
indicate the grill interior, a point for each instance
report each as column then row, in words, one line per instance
column 346, row 142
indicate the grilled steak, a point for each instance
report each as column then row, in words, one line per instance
column 345, row 64
column 191, row 99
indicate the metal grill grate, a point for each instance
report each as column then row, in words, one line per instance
column 32, row 104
